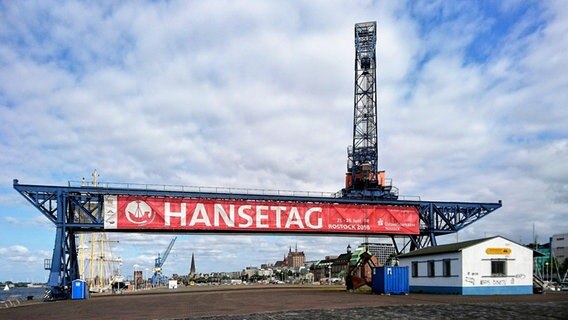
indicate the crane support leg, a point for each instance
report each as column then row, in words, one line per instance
column 64, row 265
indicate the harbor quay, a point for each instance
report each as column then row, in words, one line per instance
column 291, row 302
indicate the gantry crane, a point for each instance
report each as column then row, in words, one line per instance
column 81, row 208
column 363, row 179
column 158, row 278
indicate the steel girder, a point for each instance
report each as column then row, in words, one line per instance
column 80, row 209
column 442, row 218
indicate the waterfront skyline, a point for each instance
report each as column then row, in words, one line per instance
column 260, row 95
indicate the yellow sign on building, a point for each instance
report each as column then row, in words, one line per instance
column 498, row 250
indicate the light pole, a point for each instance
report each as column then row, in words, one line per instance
column 329, row 275
column 545, row 269
column 146, row 279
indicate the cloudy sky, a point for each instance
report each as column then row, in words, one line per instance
column 259, row 94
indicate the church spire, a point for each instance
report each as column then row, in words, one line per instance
column 192, row 268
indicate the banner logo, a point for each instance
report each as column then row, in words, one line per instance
column 139, row 212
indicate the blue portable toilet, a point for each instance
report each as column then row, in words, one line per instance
column 79, row 289
column 390, row 280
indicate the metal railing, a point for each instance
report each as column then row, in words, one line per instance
column 182, row 188
column 226, row 190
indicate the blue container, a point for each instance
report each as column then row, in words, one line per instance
column 390, row 280
column 79, row 290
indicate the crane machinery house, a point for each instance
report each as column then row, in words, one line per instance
column 489, row 266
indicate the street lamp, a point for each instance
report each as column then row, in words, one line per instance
column 146, row 279
column 329, row 275
column 545, row 269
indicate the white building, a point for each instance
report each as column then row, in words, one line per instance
column 559, row 245
column 478, row 267
column 265, row 272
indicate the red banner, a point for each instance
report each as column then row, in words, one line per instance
column 185, row 214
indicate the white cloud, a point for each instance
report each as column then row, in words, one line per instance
column 21, row 256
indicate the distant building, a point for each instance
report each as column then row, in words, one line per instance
column 541, row 263
column 340, row 266
column 295, row 259
column 559, row 244
column 322, row 268
column 309, row 264
column 265, row 273
column 250, row 271
column 380, row 250
column 266, row 266
column 281, row 264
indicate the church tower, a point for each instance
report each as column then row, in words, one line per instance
column 192, row 268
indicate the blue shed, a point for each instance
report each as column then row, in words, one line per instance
column 390, row 280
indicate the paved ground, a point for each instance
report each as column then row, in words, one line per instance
column 292, row 303
column 443, row 311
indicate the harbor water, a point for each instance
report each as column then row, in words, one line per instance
column 23, row 293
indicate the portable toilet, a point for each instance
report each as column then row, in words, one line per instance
column 79, row 289
column 390, row 280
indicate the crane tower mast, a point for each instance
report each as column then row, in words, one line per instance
column 363, row 178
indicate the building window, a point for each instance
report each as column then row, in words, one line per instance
column 559, row 239
column 447, row 268
column 431, row 270
column 498, row 268
column 414, row 269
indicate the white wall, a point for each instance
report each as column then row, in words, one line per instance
column 477, row 264
column 560, row 246
column 438, row 280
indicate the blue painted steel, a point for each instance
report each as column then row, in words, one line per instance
column 79, row 290
column 74, row 209
column 436, row 289
column 485, row 290
column 158, row 278
column 390, row 280
column 495, row 290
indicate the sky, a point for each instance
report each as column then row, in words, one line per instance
column 259, row 94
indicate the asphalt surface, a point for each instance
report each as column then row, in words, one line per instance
column 290, row 303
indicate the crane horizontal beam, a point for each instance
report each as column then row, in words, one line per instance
column 85, row 205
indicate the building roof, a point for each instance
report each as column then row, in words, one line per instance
column 279, row 264
column 453, row 247
column 342, row 259
column 445, row 248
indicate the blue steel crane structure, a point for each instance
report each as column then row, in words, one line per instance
column 74, row 209
column 158, row 278
column 363, row 179
column 80, row 208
